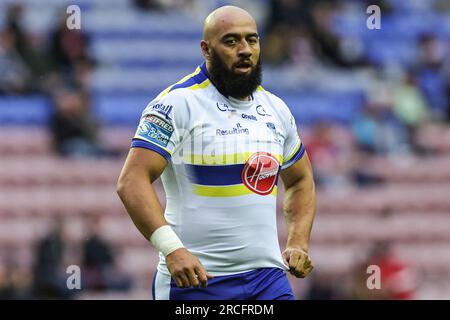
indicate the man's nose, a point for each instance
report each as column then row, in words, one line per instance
column 244, row 49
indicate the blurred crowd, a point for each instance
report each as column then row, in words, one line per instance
column 390, row 279
column 99, row 271
column 59, row 67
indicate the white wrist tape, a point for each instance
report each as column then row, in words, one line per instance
column 165, row 240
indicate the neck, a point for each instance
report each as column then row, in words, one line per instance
column 247, row 98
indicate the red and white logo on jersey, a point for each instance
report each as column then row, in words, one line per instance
column 260, row 173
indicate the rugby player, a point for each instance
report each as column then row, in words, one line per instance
column 220, row 141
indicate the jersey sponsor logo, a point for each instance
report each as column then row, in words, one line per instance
column 155, row 129
column 249, row 117
column 159, row 122
column 239, row 129
column 165, row 110
column 260, row 173
column 273, row 129
column 224, row 107
column 261, row 111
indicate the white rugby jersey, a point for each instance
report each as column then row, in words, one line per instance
column 224, row 157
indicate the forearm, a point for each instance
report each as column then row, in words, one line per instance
column 299, row 211
column 142, row 204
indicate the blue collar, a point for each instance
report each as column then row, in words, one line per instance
column 204, row 70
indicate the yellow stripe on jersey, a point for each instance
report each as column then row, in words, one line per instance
column 294, row 152
column 260, row 88
column 225, row 191
column 222, row 159
column 202, row 85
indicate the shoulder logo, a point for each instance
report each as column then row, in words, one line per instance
column 155, row 129
column 165, row 110
column 159, row 122
column 260, row 173
column 274, row 130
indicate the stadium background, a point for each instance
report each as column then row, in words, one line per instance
column 372, row 107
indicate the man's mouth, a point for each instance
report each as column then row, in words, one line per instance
column 243, row 67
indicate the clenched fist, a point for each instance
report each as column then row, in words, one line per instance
column 300, row 265
column 186, row 269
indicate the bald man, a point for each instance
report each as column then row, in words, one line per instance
column 219, row 142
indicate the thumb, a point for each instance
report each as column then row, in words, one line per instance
column 209, row 276
column 286, row 257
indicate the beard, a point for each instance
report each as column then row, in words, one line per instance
column 230, row 83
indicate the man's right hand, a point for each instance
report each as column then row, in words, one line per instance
column 186, row 269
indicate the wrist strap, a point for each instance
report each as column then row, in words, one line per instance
column 165, row 240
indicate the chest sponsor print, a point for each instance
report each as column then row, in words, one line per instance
column 260, row 173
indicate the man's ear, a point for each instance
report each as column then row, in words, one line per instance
column 204, row 45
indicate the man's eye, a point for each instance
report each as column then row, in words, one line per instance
column 230, row 41
column 253, row 40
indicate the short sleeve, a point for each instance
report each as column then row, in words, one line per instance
column 160, row 125
column 293, row 149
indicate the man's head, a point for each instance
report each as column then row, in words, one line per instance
column 231, row 49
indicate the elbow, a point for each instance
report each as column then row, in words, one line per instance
column 122, row 185
column 119, row 189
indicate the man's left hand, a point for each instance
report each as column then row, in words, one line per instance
column 300, row 265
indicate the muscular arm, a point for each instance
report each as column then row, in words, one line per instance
column 299, row 211
column 142, row 167
column 134, row 187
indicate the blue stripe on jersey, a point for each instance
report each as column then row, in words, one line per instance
column 204, row 70
column 300, row 153
column 216, row 175
column 196, row 79
column 297, row 156
column 150, row 146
